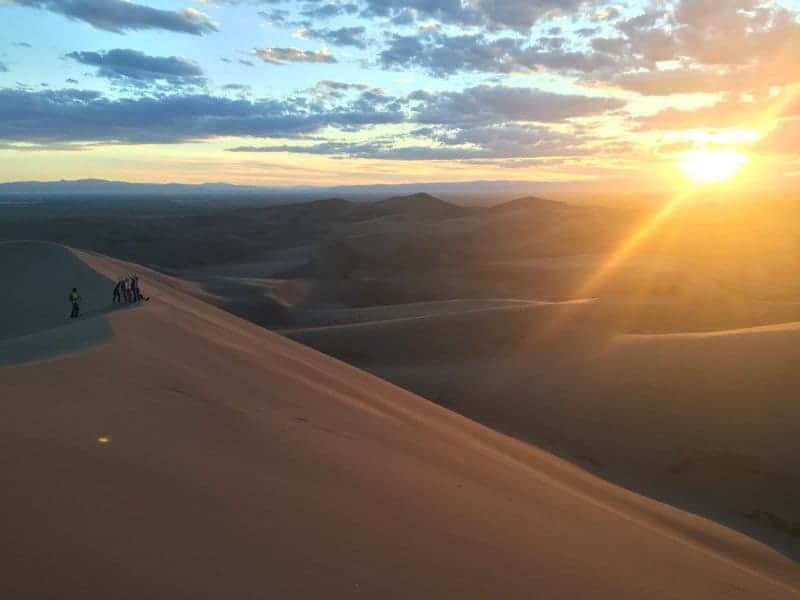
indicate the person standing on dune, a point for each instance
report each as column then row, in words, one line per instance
column 126, row 289
column 75, row 299
column 116, row 296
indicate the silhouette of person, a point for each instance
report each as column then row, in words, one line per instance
column 116, row 298
column 75, row 299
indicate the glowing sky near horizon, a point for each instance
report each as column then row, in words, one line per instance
column 369, row 91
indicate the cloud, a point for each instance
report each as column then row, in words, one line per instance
column 519, row 15
column 344, row 36
column 485, row 143
column 132, row 66
column 327, row 10
column 276, row 16
column 3, row 68
column 443, row 55
column 283, row 56
column 69, row 115
column 724, row 46
column 483, row 122
column 328, row 89
column 731, row 111
column 496, row 104
column 783, row 138
column 119, row 16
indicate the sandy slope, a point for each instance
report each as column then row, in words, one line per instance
column 38, row 278
column 34, row 304
column 706, row 421
column 242, row 465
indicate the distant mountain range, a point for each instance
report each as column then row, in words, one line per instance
column 94, row 187
column 494, row 191
column 463, row 192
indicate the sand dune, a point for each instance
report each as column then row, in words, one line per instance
column 39, row 277
column 34, row 305
column 196, row 455
column 704, row 421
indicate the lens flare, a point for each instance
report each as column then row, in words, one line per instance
column 712, row 166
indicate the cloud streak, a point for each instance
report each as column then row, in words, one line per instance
column 284, row 56
column 138, row 68
column 119, row 16
column 52, row 116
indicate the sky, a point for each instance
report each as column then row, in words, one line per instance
column 322, row 92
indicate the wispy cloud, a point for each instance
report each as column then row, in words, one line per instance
column 283, row 56
column 121, row 15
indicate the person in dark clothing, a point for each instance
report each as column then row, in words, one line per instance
column 137, row 295
column 117, row 296
column 126, row 290
column 75, row 299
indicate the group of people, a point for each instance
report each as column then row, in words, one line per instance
column 127, row 290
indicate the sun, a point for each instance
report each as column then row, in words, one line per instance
column 712, row 166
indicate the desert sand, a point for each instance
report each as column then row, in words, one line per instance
column 702, row 420
column 191, row 454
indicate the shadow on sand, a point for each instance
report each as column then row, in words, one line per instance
column 74, row 335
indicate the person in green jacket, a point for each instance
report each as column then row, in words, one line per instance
column 75, row 298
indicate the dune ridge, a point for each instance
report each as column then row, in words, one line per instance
column 237, row 463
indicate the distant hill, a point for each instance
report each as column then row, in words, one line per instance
column 419, row 205
column 528, row 203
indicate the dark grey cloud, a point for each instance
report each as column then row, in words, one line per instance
column 72, row 81
column 119, row 16
column 344, row 36
column 283, row 56
column 487, row 143
column 483, row 122
column 444, row 55
column 327, row 89
column 324, row 9
column 22, row 45
column 383, row 150
column 498, row 104
column 518, row 15
column 53, row 116
column 3, row 68
column 495, row 14
column 138, row 68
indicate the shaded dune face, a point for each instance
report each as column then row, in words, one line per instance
column 37, row 279
column 705, row 421
column 199, row 456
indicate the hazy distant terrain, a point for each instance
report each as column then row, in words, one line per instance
column 668, row 368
